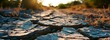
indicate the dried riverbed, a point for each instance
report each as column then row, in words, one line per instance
column 48, row 25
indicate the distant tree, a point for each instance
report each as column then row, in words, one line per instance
column 31, row 4
column 5, row 3
column 69, row 4
column 1, row 3
column 62, row 6
column 102, row 3
column 73, row 3
column 97, row 3
column 76, row 2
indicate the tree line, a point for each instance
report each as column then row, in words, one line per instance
column 97, row 3
column 34, row 4
column 87, row 3
column 9, row 3
column 28, row 4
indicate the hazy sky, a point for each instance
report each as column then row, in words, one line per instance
column 55, row 2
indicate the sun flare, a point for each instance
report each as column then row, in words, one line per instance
column 54, row 2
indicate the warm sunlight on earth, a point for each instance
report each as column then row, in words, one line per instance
column 55, row 2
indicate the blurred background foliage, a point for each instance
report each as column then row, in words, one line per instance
column 28, row 4
column 97, row 3
column 31, row 4
column 61, row 6
column 87, row 3
column 34, row 4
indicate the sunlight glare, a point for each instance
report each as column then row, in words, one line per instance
column 55, row 2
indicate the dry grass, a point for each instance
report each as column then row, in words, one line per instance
column 93, row 16
column 45, row 8
column 77, row 7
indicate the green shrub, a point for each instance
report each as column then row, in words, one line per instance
column 62, row 6
column 73, row 3
column 97, row 3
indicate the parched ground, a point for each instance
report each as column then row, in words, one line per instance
column 56, row 24
column 94, row 17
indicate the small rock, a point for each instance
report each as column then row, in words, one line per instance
column 94, row 32
column 62, row 22
column 26, row 25
column 65, row 34
column 25, row 15
column 3, row 33
column 6, row 12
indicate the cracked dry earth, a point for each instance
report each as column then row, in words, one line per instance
column 48, row 25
